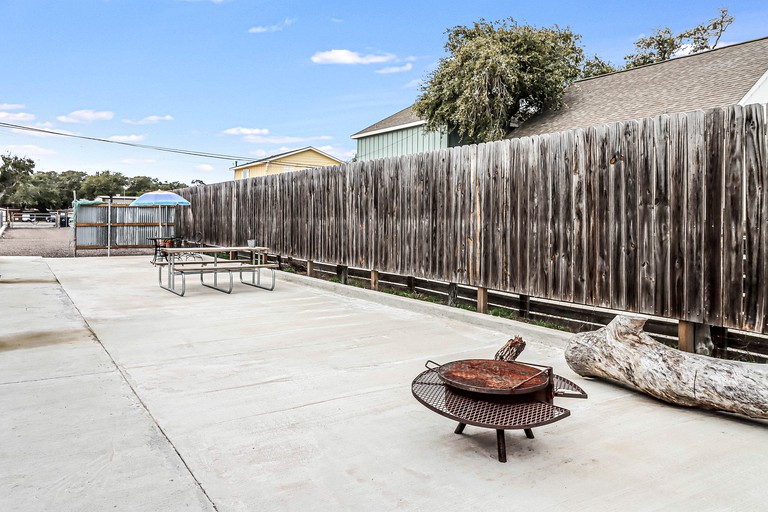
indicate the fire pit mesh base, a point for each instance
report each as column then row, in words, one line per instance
column 430, row 390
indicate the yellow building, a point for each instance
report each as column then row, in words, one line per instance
column 294, row 160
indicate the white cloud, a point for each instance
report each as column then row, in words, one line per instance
column 337, row 20
column 205, row 168
column 85, row 116
column 412, row 84
column 126, row 138
column 11, row 106
column 16, row 116
column 258, row 139
column 246, row 131
column 341, row 154
column 395, row 69
column 29, row 151
column 350, row 57
column 264, row 29
column 149, row 120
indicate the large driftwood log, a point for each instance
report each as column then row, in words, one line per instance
column 622, row 351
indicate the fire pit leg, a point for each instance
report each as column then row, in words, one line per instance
column 502, row 445
column 459, row 428
column 529, row 433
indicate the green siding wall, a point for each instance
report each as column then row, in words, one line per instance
column 400, row 142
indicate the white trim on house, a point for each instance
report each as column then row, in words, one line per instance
column 280, row 156
column 758, row 93
column 390, row 129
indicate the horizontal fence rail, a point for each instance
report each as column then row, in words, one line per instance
column 665, row 216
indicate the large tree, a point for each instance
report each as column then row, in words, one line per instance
column 141, row 184
column 13, row 171
column 39, row 190
column 664, row 44
column 103, row 184
column 497, row 74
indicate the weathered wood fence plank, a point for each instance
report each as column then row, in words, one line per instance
column 664, row 216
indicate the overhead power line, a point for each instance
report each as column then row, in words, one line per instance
column 187, row 152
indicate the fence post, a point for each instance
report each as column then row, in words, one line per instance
column 525, row 306
column 342, row 272
column 453, row 294
column 410, row 282
column 374, row 280
column 310, row 268
column 482, row 300
column 686, row 336
column 720, row 339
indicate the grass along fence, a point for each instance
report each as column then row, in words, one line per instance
column 665, row 216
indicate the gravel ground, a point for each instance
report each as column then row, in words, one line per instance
column 49, row 242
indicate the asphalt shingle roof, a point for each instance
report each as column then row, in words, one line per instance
column 405, row 116
column 705, row 80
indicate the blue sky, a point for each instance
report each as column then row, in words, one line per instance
column 251, row 78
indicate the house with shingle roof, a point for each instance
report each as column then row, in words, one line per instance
column 287, row 161
column 735, row 74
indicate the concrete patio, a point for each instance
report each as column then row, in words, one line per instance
column 117, row 395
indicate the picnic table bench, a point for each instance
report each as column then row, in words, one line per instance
column 168, row 271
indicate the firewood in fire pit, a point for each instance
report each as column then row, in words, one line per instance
column 623, row 352
column 511, row 349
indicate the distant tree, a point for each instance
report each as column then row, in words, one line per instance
column 39, row 190
column 595, row 66
column 102, row 184
column 13, row 171
column 496, row 74
column 67, row 183
column 664, row 44
column 172, row 185
column 196, row 183
column 141, row 184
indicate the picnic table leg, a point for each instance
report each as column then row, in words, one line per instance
column 529, row 433
column 171, row 281
column 459, row 428
column 501, row 445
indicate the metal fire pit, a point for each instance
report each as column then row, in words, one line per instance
column 494, row 394
column 490, row 376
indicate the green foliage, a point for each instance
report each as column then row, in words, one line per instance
column 21, row 186
column 103, row 184
column 664, row 44
column 595, row 66
column 497, row 74
column 13, row 171
column 172, row 185
column 140, row 184
column 38, row 190
column 46, row 190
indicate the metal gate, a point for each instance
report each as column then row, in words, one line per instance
column 121, row 226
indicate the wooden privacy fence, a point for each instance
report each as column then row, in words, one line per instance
column 664, row 216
